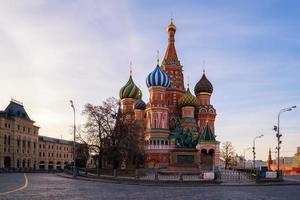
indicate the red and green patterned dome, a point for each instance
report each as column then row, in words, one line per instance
column 129, row 90
column 188, row 99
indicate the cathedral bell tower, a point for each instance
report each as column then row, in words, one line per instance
column 157, row 118
column 207, row 113
column 188, row 102
column 171, row 65
column 139, row 108
column 157, row 112
column 129, row 93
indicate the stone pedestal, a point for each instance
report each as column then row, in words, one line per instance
column 184, row 159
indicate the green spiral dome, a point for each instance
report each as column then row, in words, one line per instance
column 129, row 90
column 188, row 99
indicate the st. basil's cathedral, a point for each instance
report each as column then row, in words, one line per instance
column 177, row 127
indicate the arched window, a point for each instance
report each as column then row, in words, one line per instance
column 155, row 123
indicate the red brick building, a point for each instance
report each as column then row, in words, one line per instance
column 178, row 127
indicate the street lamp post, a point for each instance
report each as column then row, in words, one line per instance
column 254, row 149
column 74, row 141
column 278, row 135
column 244, row 154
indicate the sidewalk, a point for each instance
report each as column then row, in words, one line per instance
column 204, row 183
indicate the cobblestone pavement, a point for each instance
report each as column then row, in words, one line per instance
column 51, row 186
column 11, row 181
column 292, row 178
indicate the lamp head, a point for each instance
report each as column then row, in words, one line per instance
column 71, row 103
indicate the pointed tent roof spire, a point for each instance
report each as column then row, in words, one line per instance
column 207, row 134
column 170, row 57
column 270, row 155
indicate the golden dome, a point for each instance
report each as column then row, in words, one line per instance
column 188, row 99
column 171, row 26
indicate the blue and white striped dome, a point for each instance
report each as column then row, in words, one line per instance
column 158, row 78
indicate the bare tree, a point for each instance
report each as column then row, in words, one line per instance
column 99, row 125
column 109, row 134
column 124, row 142
column 227, row 153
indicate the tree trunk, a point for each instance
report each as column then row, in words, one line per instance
column 99, row 161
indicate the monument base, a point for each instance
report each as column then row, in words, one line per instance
column 184, row 159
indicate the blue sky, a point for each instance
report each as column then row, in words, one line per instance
column 53, row 51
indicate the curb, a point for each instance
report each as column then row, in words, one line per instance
column 173, row 183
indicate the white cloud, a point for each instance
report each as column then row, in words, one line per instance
column 52, row 51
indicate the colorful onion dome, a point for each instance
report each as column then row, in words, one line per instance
column 203, row 85
column 129, row 90
column 171, row 26
column 158, row 78
column 188, row 99
column 140, row 104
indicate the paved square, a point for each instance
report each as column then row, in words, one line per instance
column 51, row 186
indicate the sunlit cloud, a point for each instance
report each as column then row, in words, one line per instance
column 54, row 51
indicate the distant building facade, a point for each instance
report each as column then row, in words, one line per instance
column 289, row 165
column 296, row 158
column 21, row 147
column 54, row 153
